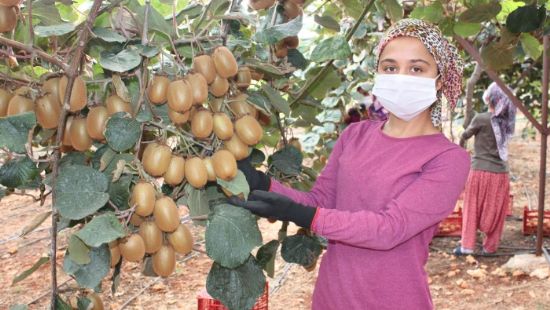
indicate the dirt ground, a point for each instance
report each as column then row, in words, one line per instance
column 452, row 286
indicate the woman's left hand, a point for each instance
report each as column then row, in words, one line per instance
column 273, row 205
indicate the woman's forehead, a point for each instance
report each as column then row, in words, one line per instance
column 406, row 48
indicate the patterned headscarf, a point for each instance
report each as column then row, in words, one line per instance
column 503, row 119
column 449, row 63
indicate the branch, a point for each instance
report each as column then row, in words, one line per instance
column 472, row 51
column 470, row 85
column 303, row 92
column 31, row 30
column 197, row 39
column 7, row 78
column 34, row 51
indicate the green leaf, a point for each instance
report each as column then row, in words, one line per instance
column 231, row 234
column 15, row 129
column 197, row 201
column 332, row 115
column 480, row 13
column 497, row 57
column 260, row 101
column 300, row 249
column 124, row 61
column 78, row 251
column 256, row 157
column 53, row 30
column 156, row 21
column 23, row 275
column 327, row 21
column 335, row 47
column 353, row 8
column 466, row 29
column 73, row 158
column 526, row 19
column 330, row 81
column 238, row 185
column 276, row 100
column 287, row 160
column 237, row 288
column 18, row 172
column 37, row 220
column 108, row 35
column 531, row 46
column 60, row 304
column 394, row 9
column 122, row 132
column 83, row 303
column 102, row 229
column 80, row 191
column 263, row 67
column 110, row 161
column 119, row 192
column 297, row 59
column 274, row 34
column 46, row 13
column 432, row 13
column 266, row 254
column 90, row 275
column 148, row 51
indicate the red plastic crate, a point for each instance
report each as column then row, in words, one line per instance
column 206, row 302
column 452, row 225
column 530, row 220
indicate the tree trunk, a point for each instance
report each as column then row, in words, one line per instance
column 470, row 86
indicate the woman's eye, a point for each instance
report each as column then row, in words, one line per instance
column 389, row 69
column 416, row 70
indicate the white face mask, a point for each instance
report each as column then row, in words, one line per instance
column 405, row 96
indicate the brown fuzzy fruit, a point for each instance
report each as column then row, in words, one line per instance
column 176, row 171
column 216, row 104
column 264, row 119
column 209, row 169
column 249, row 130
column 96, row 303
column 79, row 93
column 237, row 147
column 291, row 42
column 51, row 86
column 157, row 89
column 225, row 62
column 151, row 235
column 181, row 240
column 225, row 165
column 96, row 122
column 223, row 127
column 240, row 107
column 115, row 104
column 19, row 104
column 205, row 65
column 5, row 97
column 199, row 87
column 281, row 51
column 80, row 139
column 292, row 10
column 219, row 87
column 179, row 96
column 261, row 4
column 8, row 18
column 47, row 111
column 143, row 197
column 195, row 172
column 164, row 261
column 166, row 214
column 67, row 131
column 178, row 118
column 132, row 248
column 202, row 124
column 244, row 77
column 156, row 159
column 136, row 220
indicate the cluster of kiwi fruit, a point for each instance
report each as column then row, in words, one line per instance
column 160, row 233
column 8, row 14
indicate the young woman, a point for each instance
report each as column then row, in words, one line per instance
column 487, row 193
column 387, row 184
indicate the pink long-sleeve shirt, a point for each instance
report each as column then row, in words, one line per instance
column 380, row 200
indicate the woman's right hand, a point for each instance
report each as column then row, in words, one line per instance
column 257, row 180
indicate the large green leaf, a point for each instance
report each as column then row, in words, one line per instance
column 102, row 229
column 497, row 57
column 231, row 234
column 238, row 185
column 277, row 101
column 526, row 19
column 123, row 61
column 287, row 160
column 335, row 47
column 60, row 304
column 237, row 288
column 156, row 21
column 327, row 21
column 80, row 191
column 266, row 256
column 78, row 251
column 108, row 35
column 90, row 275
column 394, row 9
column 197, row 201
column 23, row 275
column 466, row 29
column 53, row 30
column 480, row 13
column 110, row 160
column 432, row 12
column 300, row 249
column 122, row 132
column 46, row 12
column 18, row 172
column 531, row 45
column 14, row 131
column 330, row 81
column 297, row 59
column 119, row 192
column 274, row 34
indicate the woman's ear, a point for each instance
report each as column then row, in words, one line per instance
column 438, row 84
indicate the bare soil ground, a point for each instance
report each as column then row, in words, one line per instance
column 452, row 286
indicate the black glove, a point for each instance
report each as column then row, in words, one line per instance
column 273, row 205
column 257, row 180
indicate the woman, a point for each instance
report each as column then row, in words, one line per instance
column 387, row 184
column 487, row 194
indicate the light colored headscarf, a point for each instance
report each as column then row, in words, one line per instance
column 503, row 119
column 449, row 63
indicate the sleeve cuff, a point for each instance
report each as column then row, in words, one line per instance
column 315, row 222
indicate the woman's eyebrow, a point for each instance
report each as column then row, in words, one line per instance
column 388, row 60
column 419, row 60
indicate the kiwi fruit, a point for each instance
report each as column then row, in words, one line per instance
column 209, row 168
column 176, row 171
column 166, row 214
column 281, row 51
column 261, row 4
column 195, row 172
column 205, row 66
column 291, row 42
column 225, row 62
column 181, row 240
column 225, row 165
column 79, row 93
column 156, row 159
column 19, row 104
column 115, row 104
column 249, row 130
column 244, row 78
column 179, row 96
column 115, row 253
column 202, row 124
column 151, row 235
column 136, row 220
column 96, row 303
column 132, row 248
column 291, row 9
column 240, row 107
column 8, row 18
column 143, row 197
column 96, row 122
column 67, row 132
column 222, row 126
column 164, row 261
column 219, row 86
column 10, row 2
column 216, row 104
column 5, row 97
column 199, row 87
column 47, row 111
column 51, row 86
column 80, row 139
column 178, row 118
column 237, row 147
column 157, row 89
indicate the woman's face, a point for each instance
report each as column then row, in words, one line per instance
column 407, row 55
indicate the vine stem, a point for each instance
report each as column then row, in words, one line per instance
column 72, row 72
column 34, row 51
